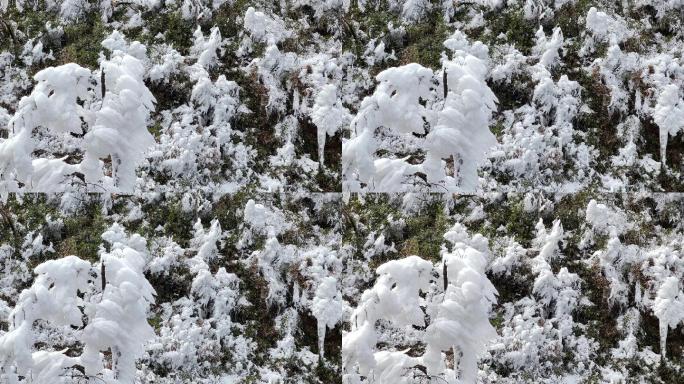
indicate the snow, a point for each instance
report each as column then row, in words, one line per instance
column 327, row 307
column 668, row 114
column 219, row 191
column 125, row 300
column 607, row 27
column 405, row 295
column 405, row 102
column 120, row 127
column 329, row 116
column 66, row 292
column 62, row 101
column 263, row 27
column 669, row 308
column 206, row 48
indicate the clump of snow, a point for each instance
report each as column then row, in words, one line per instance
column 104, row 308
column 604, row 27
column 265, row 28
column 207, row 48
column 605, row 220
column 669, row 115
column 329, row 115
column 112, row 125
column 327, row 307
column 446, row 303
column 444, row 115
column 120, row 127
column 669, row 308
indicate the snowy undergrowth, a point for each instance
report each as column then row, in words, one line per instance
column 198, row 110
column 94, row 309
column 588, row 288
column 223, row 105
column 587, row 95
column 454, row 295
column 206, row 295
column 252, row 94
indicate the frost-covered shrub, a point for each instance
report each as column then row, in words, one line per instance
column 442, row 307
column 196, row 330
column 441, row 117
column 641, row 279
column 82, row 118
column 99, row 309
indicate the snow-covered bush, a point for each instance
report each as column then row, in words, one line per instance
column 220, row 131
column 82, row 118
column 446, row 306
column 100, row 309
column 442, row 117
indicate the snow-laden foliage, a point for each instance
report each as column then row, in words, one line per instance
column 454, row 295
column 587, row 288
column 443, row 116
column 210, row 127
column 99, row 309
column 210, row 296
column 82, row 114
